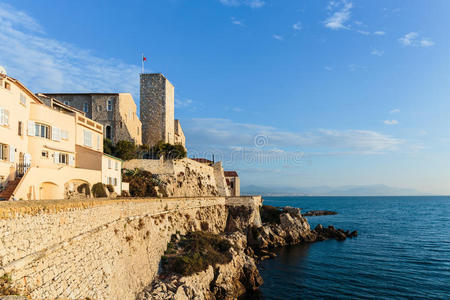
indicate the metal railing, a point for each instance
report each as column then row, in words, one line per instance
column 21, row 169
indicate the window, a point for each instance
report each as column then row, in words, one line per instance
column 67, row 102
column 115, row 181
column 3, row 152
column 41, row 130
column 45, row 154
column 63, row 158
column 7, row 86
column 99, row 108
column 98, row 142
column 116, row 166
column 4, row 116
column 138, row 130
column 110, row 105
column 19, row 128
column 85, row 107
column 120, row 124
column 23, row 99
column 109, row 164
column 108, row 132
column 64, row 134
column 87, row 135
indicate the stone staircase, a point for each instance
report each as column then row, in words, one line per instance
column 9, row 190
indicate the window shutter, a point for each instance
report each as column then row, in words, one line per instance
column 31, row 128
column 6, row 117
column 56, row 157
column 56, row 134
column 71, row 160
column 12, row 154
column 1, row 116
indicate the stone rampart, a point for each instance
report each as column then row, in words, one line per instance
column 185, row 177
column 100, row 249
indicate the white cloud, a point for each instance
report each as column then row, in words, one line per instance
column 413, row 39
column 249, row 3
column 234, row 21
column 394, row 111
column 363, row 32
column 212, row 132
column 379, row 32
column 426, row 42
column 328, row 68
column 390, row 122
column 340, row 14
column 278, row 37
column 354, row 68
column 48, row 65
column 377, row 52
column 297, row 26
column 408, row 39
column 181, row 103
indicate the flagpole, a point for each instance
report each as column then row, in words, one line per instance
column 142, row 60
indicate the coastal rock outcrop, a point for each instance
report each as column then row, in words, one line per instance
column 313, row 213
column 251, row 242
column 225, row 281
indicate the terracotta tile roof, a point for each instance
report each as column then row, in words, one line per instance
column 231, row 174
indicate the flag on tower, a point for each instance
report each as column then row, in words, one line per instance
column 144, row 59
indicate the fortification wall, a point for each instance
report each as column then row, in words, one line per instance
column 102, row 249
column 185, row 177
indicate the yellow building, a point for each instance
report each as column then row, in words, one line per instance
column 47, row 151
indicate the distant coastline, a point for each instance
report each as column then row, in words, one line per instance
column 378, row 190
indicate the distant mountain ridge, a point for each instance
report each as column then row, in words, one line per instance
column 348, row 190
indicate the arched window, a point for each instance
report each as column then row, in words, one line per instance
column 108, row 132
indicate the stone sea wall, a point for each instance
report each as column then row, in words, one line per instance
column 185, row 177
column 101, row 249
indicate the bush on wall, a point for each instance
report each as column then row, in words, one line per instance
column 98, row 190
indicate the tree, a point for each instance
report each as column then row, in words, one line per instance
column 168, row 151
column 125, row 150
column 108, row 147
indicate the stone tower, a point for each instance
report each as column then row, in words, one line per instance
column 157, row 109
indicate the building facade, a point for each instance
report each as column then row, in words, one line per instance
column 233, row 183
column 47, row 151
column 112, row 172
column 157, row 107
column 115, row 111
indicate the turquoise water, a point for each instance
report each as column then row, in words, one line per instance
column 402, row 251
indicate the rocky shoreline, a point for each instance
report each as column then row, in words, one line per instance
column 285, row 226
column 314, row 213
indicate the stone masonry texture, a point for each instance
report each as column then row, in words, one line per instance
column 101, row 249
column 157, row 109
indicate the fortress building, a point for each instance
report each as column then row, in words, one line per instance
column 157, row 102
column 115, row 111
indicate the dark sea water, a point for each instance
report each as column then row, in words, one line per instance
column 402, row 251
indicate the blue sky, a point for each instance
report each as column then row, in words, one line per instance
column 292, row 93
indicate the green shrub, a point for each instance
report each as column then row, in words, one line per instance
column 195, row 251
column 110, row 188
column 270, row 214
column 142, row 183
column 84, row 188
column 6, row 286
column 125, row 150
column 98, row 190
column 168, row 151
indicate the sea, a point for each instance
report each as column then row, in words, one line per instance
column 402, row 251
